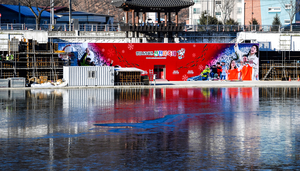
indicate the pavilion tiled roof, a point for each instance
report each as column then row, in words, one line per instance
column 153, row 3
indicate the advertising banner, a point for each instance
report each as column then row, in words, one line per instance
column 171, row 61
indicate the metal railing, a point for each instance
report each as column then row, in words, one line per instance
column 61, row 27
column 235, row 28
column 187, row 28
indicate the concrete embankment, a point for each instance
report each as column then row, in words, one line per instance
column 187, row 84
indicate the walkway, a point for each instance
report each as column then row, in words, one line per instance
column 190, row 84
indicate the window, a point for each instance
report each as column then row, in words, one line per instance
column 91, row 74
column 196, row 21
column 286, row 22
column 196, row 11
column 274, row 9
column 239, row 21
column 218, row 13
column 218, row 2
column 239, row 10
column 288, row 6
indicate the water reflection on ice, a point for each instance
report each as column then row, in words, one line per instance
column 196, row 128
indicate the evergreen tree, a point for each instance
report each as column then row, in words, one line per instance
column 231, row 21
column 208, row 19
column 212, row 22
column 276, row 23
column 255, row 24
column 231, row 25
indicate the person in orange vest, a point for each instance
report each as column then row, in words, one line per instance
column 233, row 71
column 246, row 69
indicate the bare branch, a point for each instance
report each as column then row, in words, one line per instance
column 291, row 7
column 226, row 9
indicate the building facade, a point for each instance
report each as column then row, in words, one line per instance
column 244, row 11
column 218, row 8
column 264, row 11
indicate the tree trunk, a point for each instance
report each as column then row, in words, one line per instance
column 37, row 21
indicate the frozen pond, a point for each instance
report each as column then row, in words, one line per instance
column 150, row 129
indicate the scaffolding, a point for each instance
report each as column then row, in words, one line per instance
column 277, row 70
column 31, row 59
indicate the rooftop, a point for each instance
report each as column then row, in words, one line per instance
column 152, row 3
column 25, row 11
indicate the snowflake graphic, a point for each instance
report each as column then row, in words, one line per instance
column 194, row 55
column 123, row 51
column 200, row 68
column 111, row 52
column 103, row 50
column 184, row 77
column 130, row 46
column 194, row 45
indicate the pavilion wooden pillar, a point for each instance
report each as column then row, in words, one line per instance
column 137, row 22
column 137, row 18
column 170, row 22
column 133, row 22
column 133, row 17
column 158, row 17
column 166, row 21
column 176, row 18
column 166, row 15
column 176, row 22
column 158, row 24
column 126, row 22
column 126, row 17
column 144, row 18
column 144, row 21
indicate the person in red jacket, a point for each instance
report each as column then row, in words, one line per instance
column 219, row 69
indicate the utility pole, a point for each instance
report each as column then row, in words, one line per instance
column 19, row 12
column 70, row 15
column 52, row 12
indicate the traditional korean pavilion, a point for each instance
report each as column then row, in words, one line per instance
column 135, row 7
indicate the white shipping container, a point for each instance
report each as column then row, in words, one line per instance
column 17, row 82
column 89, row 75
column 4, row 83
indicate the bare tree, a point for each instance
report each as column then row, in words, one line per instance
column 226, row 8
column 292, row 7
column 39, row 6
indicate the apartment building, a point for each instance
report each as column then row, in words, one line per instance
column 221, row 9
column 269, row 9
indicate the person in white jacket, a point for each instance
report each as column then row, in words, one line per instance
column 252, row 58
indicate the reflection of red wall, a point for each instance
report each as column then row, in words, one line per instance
column 161, row 102
column 178, row 68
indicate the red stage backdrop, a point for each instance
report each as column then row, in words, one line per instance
column 171, row 61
